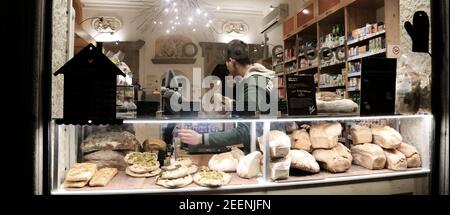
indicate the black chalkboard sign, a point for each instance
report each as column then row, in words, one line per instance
column 301, row 95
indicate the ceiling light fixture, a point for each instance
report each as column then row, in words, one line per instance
column 170, row 11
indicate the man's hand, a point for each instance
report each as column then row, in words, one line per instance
column 190, row 137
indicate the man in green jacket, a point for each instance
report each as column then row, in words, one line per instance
column 253, row 93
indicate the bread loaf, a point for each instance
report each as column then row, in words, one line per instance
column 368, row 155
column 300, row 140
column 110, row 141
column 386, row 137
column 279, row 169
column 250, row 165
column 279, row 144
column 395, row 160
column 325, row 135
column 361, row 134
column 302, row 160
column 337, row 159
column 154, row 144
column 227, row 161
column 102, row 177
column 411, row 154
column 106, row 158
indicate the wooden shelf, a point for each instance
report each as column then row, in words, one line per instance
column 331, row 65
column 369, row 36
column 307, row 68
column 353, row 74
column 368, row 54
column 290, row 60
column 352, row 89
column 330, row 86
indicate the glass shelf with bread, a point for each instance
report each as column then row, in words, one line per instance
column 229, row 155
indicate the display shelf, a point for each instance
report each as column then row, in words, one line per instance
column 368, row 54
column 291, row 72
column 353, row 74
column 123, row 184
column 278, row 64
column 350, row 89
column 307, row 68
column 331, row 65
column 290, row 60
column 308, row 52
column 369, row 36
column 330, row 86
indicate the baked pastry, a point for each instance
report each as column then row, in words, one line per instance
column 325, row 135
column 211, row 178
column 81, row 172
column 279, row 144
column 143, row 167
column 227, row 161
column 174, row 171
column 395, row 160
column 140, row 157
column 386, row 137
column 361, row 134
column 110, row 141
column 368, row 155
column 184, row 161
column 192, row 169
column 250, row 165
column 302, row 160
column 337, row 159
column 102, row 177
column 142, row 175
column 174, row 183
column 300, row 140
column 411, row 154
column 154, row 144
column 279, row 169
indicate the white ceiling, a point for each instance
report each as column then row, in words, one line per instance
column 251, row 7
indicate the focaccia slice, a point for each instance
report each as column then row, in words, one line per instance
column 103, row 177
column 75, row 184
column 81, row 172
column 211, row 178
column 174, row 171
column 174, row 183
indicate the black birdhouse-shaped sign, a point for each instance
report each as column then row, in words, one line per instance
column 89, row 88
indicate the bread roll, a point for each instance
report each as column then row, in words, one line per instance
column 300, row 140
column 386, row 137
column 279, row 169
column 250, row 165
column 411, row 154
column 368, row 155
column 337, row 159
column 325, row 135
column 395, row 160
column 154, row 144
column 227, row 161
column 279, row 143
column 361, row 134
column 302, row 160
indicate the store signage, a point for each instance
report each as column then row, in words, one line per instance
column 394, row 51
column 301, row 93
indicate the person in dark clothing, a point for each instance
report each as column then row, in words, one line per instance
column 248, row 92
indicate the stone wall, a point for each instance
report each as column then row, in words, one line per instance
column 420, row 63
column 59, row 53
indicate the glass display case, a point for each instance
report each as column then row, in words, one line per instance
column 125, row 106
column 322, row 153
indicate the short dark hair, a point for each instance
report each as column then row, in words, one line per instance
column 238, row 50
